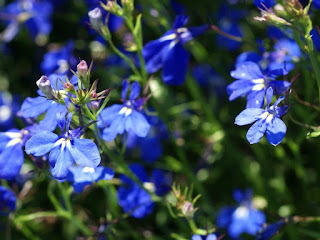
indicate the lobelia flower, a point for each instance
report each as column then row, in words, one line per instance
column 59, row 61
column 11, row 153
column 266, row 121
column 65, row 150
column 208, row 237
column 251, row 81
column 34, row 107
column 168, row 52
column 7, row 201
column 135, row 200
column 126, row 116
column 83, row 176
column 35, row 15
column 270, row 230
column 243, row 218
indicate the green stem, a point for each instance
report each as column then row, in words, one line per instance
column 33, row 216
column 195, row 229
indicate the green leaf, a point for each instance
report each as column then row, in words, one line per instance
column 137, row 31
column 310, row 233
column 314, row 134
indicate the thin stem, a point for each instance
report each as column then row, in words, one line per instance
column 33, row 216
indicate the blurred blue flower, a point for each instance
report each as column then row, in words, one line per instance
column 136, row 201
column 35, row 15
column 168, row 52
column 207, row 78
column 9, row 106
column 65, row 150
column 7, row 201
column 266, row 121
column 126, row 116
column 11, row 153
column 264, row 3
column 83, row 176
column 208, row 237
column 34, row 107
column 158, row 132
column 59, row 61
column 270, row 230
column 315, row 38
column 252, row 82
column 243, row 218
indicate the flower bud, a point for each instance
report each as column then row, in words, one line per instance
column 82, row 68
column 128, row 5
column 113, row 7
column 95, row 17
column 188, row 209
column 44, row 85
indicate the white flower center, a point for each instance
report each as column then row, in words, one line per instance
column 5, row 113
column 88, row 170
column 241, row 212
column 126, row 111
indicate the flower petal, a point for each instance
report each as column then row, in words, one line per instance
column 256, row 131
column 247, row 71
column 11, row 161
column 85, row 153
column 41, row 143
column 276, row 130
column 255, row 99
column 33, row 107
column 61, row 168
column 138, row 124
column 248, row 116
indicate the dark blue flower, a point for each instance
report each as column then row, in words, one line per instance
column 158, row 132
column 9, row 106
column 65, row 150
column 243, row 218
column 35, row 15
column 270, row 230
column 266, row 121
column 136, row 201
column 315, row 38
column 83, row 176
column 266, row 3
column 168, row 52
column 34, row 107
column 126, row 116
column 59, row 61
column 7, row 201
column 253, row 83
column 208, row 237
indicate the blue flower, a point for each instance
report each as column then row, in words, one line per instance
column 35, row 15
column 136, row 201
column 315, row 38
column 266, row 121
column 65, row 150
column 7, row 201
column 34, row 107
column 168, row 52
column 59, row 61
column 266, row 3
column 252, row 82
column 208, row 237
column 83, row 176
column 270, row 230
column 9, row 106
column 11, row 153
column 126, row 116
column 243, row 218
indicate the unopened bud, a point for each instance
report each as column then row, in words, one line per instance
column 113, row 7
column 95, row 17
column 93, row 95
column 188, row 209
column 128, row 5
column 44, row 85
column 95, row 105
column 82, row 68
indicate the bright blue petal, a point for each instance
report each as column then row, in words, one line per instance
column 41, row 143
column 211, row 237
column 269, row 95
column 85, row 153
column 247, row 71
column 33, row 107
column 108, row 114
column 248, row 116
column 256, row 131
column 250, row 56
column 276, row 130
column 255, row 99
column 280, row 86
column 61, row 168
column 53, row 156
column 239, row 88
column 49, row 122
column 175, row 64
column 137, row 123
column 11, row 160
column 196, row 237
column 125, row 88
